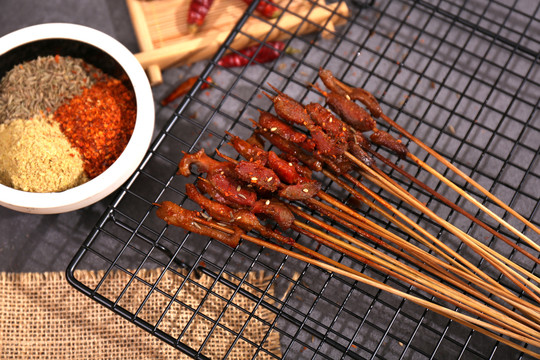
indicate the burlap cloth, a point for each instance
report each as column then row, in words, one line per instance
column 43, row 317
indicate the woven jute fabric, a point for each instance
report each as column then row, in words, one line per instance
column 43, row 317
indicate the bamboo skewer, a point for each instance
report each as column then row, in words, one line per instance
column 438, row 268
column 436, row 241
column 422, row 208
column 455, row 207
column 479, row 247
column 438, row 250
column 460, row 191
column 458, row 172
column 464, row 272
column 402, row 272
column 494, row 258
column 465, row 266
column 479, row 325
column 517, row 279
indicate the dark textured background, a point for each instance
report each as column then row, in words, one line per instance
column 48, row 242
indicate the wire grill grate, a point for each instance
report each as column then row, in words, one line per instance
column 463, row 76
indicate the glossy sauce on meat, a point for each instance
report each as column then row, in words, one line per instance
column 203, row 162
column 275, row 210
column 176, row 215
column 350, row 112
column 271, row 123
column 384, row 139
column 247, row 150
column 258, row 175
column 285, row 170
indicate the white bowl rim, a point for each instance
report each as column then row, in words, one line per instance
column 126, row 164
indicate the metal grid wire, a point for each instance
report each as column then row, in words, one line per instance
column 463, row 76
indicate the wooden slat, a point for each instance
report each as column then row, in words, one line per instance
column 164, row 40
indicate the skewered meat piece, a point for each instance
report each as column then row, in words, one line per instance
column 270, row 208
column 327, row 145
column 231, row 188
column 289, row 109
column 325, row 119
column 244, row 218
column 248, row 151
column 286, row 171
column 248, row 221
column 308, row 144
column 383, row 138
column 221, row 175
column 216, row 210
column 206, row 187
column 281, row 167
column 271, row 123
column 292, row 149
column 255, row 140
column 221, row 212
column 203, row 162
column 176, row 215
column 350, row 112
column 258, row 175
column 275, row 210
column 364, row 96
column 361, row 154
column 360, row 139
column 359, row 146
column 303, row 171
column 338, row 164
column 302, row 191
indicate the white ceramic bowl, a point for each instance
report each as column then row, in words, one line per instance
column 113, row 58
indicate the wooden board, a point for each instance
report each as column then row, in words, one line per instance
column 162, row 32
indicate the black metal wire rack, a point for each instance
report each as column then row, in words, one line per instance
column 463, row 76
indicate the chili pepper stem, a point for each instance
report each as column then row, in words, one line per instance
column 193, row 28
column 291, row 51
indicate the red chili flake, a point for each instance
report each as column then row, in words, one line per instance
column 57, row 58
column 99, row 123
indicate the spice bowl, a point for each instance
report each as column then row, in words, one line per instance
column 119, row 98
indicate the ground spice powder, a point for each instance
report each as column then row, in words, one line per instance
column 99, row 123
column 35, row 156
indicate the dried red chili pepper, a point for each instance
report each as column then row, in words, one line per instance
column 266, row 8
column 99, row 123
column 184, row 87
column 198, row 9
column 268, row 52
